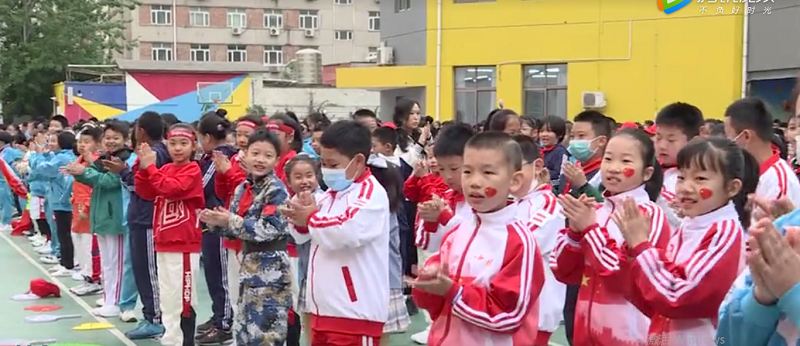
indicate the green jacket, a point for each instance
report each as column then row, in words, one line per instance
column 105, row 213
column 590, row 191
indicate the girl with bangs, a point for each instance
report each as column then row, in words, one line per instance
column 586, row 251
column 681, row 288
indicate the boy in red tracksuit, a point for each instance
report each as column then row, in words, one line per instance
column 177, row 189
column 483, row 285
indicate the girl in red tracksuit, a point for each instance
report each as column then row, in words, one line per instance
column 422, row 185
column 177, row 189
column 603, row 316
column 682, row 287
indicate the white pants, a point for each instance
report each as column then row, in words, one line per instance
column 37, row 210
column 174, row 274
column 112, row 259
column 83, row 252
column 422, row 257
column 294, row 287
column 234, row 264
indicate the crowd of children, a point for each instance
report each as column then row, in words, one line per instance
column 678, row 231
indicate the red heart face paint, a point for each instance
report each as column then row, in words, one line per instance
column 706, row 193
column 490, row 192
column 628, row 172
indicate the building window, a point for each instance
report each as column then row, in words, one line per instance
column 343, row 35
column 237, row 18
column 273, row 19
column 309, row 19
column 343, row 2
column 161, row 51
column 161, row 14
column 273, row 55
column 374, row 21
column 545, row 90
column 199, row 17
column 200, row 52
column 372, row 50
column 402, row 5
column 475, row 93
column 237, row 53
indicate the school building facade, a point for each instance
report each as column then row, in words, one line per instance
column 462, row 58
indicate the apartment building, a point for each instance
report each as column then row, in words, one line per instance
column 256, row 31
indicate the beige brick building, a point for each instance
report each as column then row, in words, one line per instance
column 269, row 32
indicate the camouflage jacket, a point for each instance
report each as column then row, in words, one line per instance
column 260, row 223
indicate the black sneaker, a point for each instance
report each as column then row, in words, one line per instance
column 215, row 336
column 201, row 329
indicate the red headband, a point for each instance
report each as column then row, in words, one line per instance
column 248, row 124
column 181, row 133
column 280, row 127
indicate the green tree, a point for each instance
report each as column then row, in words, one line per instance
column 38, row 38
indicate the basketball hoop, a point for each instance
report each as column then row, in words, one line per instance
column 216, row 101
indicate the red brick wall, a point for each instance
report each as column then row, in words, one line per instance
column 291, row 19
column 145, row 50
column 219, row 17
column 255, row 54
column 219, row 52
column 255, row 18
column 181, row 16
column 182, row 52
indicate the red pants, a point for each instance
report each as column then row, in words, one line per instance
column 543, row 338
column 338, row 339
column 96, row 268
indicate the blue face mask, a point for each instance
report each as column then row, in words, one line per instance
column 336, row 178
column 580, row 149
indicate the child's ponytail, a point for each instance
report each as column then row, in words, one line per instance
column 655, row 183
column 750, row 173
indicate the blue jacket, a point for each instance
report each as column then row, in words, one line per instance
column 308, row 149
column 743, row 321
column 140, row 210
column 126, row 195
column 45, row 168
column 553, row 160
column 38, row 181
column 210, row 173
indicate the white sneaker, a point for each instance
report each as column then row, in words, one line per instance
column 37, row 238
column 86, row 288
column 106, row 311
column 44, row 249
column 77, row 276
column 100, row 302
column 128, row 316
column 49, row 259
column 64, row 272
column 421, row 337
column 55, row 268
column 6, row 228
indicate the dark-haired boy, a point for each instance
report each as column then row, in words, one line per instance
column 367, row 118
column 149, row 129
column 57, row 124
column 748, row 123
column 492, row 293
column 676, row 125
column 540, row 210
column 349, row 229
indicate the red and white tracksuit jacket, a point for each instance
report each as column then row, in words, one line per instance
column 541, row 213
column 668, row 196
column 682, row 288
column 603, row 316
column 777, row 180
column 429, row 234
column 347, row 290
column 498, row 275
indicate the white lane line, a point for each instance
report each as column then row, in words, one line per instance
column 64, row 289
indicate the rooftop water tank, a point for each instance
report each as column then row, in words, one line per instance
column 309, row 66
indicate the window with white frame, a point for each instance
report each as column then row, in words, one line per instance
column 343, row 35
column 343, row 2
column 237, row 53
column 273, row 55
column 545, row 90
column 273, row 19
column 200, row 52
column 160, row 14
column 237, row 18
column 160, row 51
column 374, row 21
column 372, row 50
column 402, row 5
column 199, row 16
column 309, row 19
column 475, row 93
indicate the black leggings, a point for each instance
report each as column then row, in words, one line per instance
column 44, row 228
column 64, row 233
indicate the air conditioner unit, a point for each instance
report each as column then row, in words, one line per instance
column 385, row 55
column 594, row 99
column 274, row 31
column 310, row 32
column 237, row 31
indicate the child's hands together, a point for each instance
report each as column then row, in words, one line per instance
column 579, row 211
column 73, row 169
column 221, row 162
column 632, row 222
column 574, row 174
column 434, row 279
column 430, row 210
column 147, row 156
column 215, row 217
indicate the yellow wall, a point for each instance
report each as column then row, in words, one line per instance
column 685, row 56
